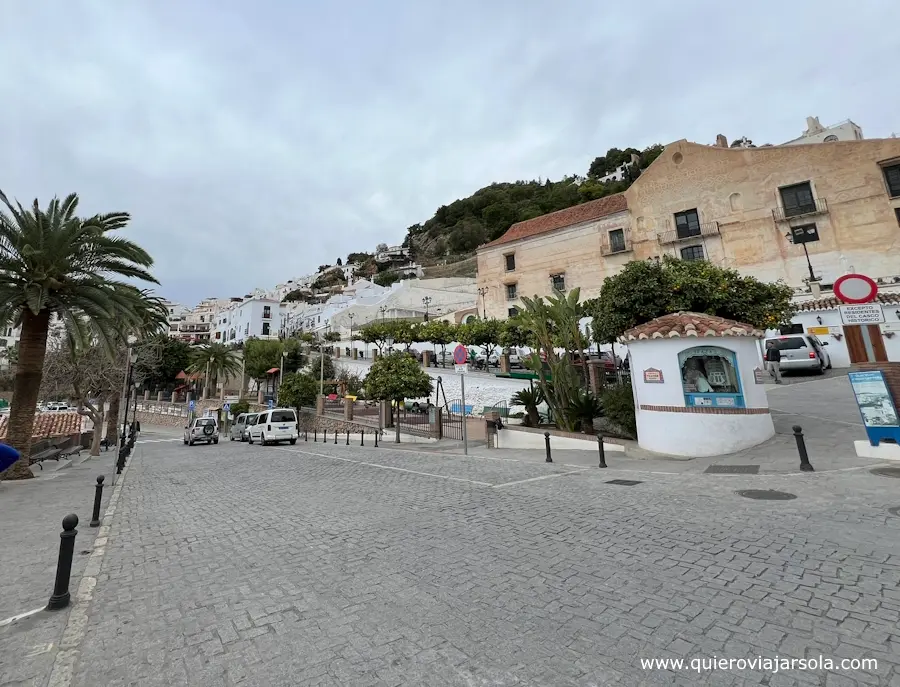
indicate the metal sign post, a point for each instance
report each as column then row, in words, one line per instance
column 461, row 358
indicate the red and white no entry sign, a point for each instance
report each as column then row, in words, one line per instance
column 460, row 355
column 855, row 288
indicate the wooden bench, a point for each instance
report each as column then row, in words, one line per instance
column 51, row 453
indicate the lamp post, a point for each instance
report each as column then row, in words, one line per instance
column 427, row 301
column 389, row 344
column 132, row 359
column 483, row 292
column 322, row 363
column 281, row 371
column 351, row 316
column 382, row 310
column 802, row 240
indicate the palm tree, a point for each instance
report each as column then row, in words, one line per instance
column 215, row 360
column 56, row 264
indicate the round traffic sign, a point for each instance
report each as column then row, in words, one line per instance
column 460, row 355
column 855, row 288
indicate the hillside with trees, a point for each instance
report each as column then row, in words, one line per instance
column 457, row 229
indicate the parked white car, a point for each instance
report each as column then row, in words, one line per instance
column 204, row 429
column 276, row 425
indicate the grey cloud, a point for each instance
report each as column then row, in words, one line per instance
column 255, row 142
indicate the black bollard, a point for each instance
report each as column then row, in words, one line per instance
column 60, row 598
column 805, row 465
column 98, row 497
column 325, row 436
column 305, row 435
column 602, row 450
column 362, row 438
column 120, row 462
column 348, row 437
column 335, row 437
column 315, row 435
column 376, row 439
column 547, row 446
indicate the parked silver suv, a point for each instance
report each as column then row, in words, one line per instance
column 204, row 429
column 800, row 352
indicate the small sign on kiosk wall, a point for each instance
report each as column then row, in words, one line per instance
column 653, row 376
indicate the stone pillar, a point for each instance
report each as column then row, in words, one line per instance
column 355, row 354
column 348, row 410
column 320, row 405
column 337, row 351
column 147, row 394
column 159, row 396
column 426, row 359
column 259, row 396
column 386, row 414
column 596, row 374
column 504, row 363
column 187, row 398
column 490, row 430
column 435, row 427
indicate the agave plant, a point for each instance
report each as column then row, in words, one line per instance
column 583, row 408
column 531, row 399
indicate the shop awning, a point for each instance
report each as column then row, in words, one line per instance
column 272, row 371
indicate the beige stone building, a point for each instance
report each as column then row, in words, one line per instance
column 751, row 209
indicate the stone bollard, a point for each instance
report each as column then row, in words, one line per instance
column 60, row 598
column 98, row 498
column 147, row 395
column 805, row 465
column 348, row 410
column 547, row 447
column 159, row 396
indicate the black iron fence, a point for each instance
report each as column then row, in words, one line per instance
column 452, row 419
column 412, row 422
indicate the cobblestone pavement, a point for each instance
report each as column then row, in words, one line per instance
column 31, row 514
column 334, row 565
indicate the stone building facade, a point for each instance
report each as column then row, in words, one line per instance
column 750, row 209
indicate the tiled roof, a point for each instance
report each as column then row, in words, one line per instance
column 49, row 425
column 577, row 214
column 831, row 302
column 688, row 324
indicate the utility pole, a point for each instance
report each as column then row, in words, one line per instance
column 483, row 292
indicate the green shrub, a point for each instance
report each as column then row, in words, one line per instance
column 618, row 406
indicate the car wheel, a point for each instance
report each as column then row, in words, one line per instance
column 293, row 441
column 250, row 439
column 185, row 442
column 191, row 442
column 262, row 440
column 231, row 438
column 215, row 441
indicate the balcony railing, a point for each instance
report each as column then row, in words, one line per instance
column 817, row 206
column 614, row 248
column 679, row 235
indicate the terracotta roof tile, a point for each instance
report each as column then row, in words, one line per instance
column 831, row 302
column 49, row 425
column 576, row 214
column 689, row 324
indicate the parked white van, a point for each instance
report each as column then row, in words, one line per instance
column 272, row 426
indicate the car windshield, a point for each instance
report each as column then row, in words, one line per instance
column 251, row 419
column 205, row 421
column 789, row 343
column 283, row 416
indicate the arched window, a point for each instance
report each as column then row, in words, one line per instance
column 831, row 138
column 710, row 377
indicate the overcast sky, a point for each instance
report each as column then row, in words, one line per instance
column 254, row 141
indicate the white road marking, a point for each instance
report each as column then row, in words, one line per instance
column 816, row 417
column 387, row 467
column 535, row 479
column 21, row 616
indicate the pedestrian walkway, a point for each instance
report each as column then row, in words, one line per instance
column 31, row 513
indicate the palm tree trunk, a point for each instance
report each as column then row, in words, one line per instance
column 32, row 351
column 112, row 419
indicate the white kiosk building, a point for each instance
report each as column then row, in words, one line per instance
column 698, row 385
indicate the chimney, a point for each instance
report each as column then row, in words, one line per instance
column 815, row 288
column 721, row 141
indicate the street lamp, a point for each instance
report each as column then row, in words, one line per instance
column 427, row 301
column 483, row 292
column 351, row 316
column 802, row 238
column 124, row 447
column 322, row 363
column 281, row 371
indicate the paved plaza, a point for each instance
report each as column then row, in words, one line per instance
column 324, row 564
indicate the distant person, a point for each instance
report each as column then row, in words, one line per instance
column 773, row 360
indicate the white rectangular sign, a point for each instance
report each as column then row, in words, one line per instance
column 865, row 313
column 462, row 369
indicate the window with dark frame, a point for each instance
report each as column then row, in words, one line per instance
column 892, row 179
column 691, row 253
column 687, row 224
column 512, row 292
column 265, row 329
column 897, row 212
column 616, row 240
column 267, row 312
column 797, row 199
column 558, row 281
column 510, row 262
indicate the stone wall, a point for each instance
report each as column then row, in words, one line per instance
column 309, row 421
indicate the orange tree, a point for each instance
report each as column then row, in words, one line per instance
column 647, row 289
